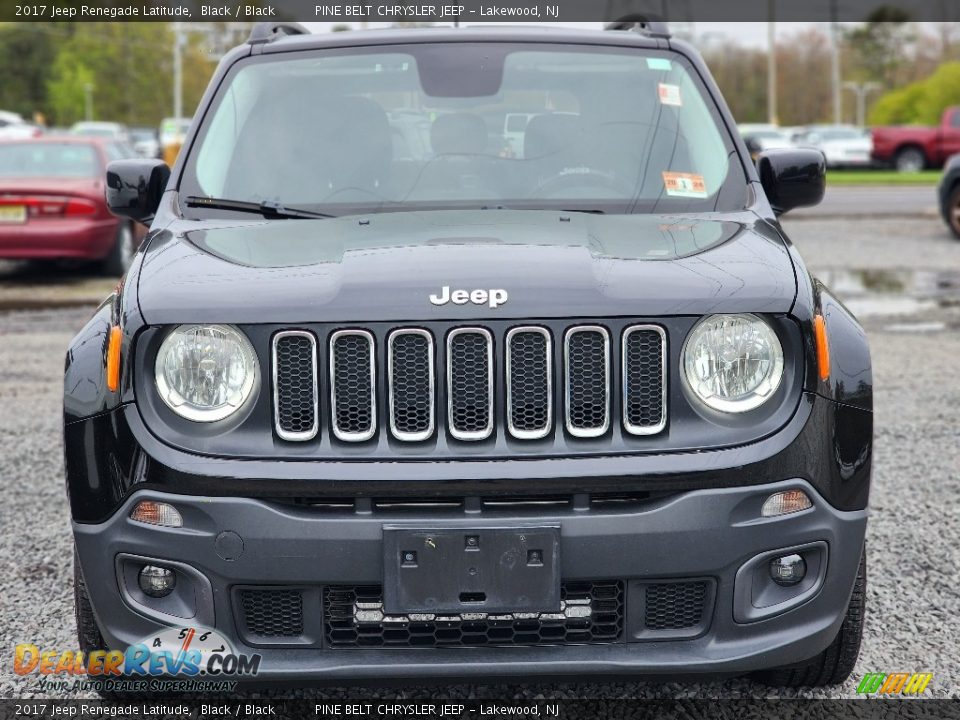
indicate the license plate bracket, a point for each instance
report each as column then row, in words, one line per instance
column 466, row 570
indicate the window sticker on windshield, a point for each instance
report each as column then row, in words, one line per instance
column 659, row 64
column 687, row 185
column 669, row 94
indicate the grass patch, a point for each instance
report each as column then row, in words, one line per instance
column 882, row 177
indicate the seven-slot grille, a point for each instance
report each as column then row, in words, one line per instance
column 467, row 374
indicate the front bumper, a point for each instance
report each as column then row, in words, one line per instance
column 708, row 534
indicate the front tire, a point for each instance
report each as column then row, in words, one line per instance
column 910, row 159
column 953, row 211
column 834, row 665
column 88, row 632
column 121, row 252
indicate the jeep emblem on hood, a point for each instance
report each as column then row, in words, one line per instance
column 494, row 298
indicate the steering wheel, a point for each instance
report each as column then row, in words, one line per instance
column 552, row 186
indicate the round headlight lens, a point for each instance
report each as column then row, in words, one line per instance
column 732, row 363
column 206, row 373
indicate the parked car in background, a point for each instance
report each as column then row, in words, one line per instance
column 109, row 130
column 948, row 193
column 841, row 145
column 146, row 141
column 172, row 134
column 52, row 203
column 913, row 148
column 759, row 137
column 14, row 127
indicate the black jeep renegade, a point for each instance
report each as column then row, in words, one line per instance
column 476, row 338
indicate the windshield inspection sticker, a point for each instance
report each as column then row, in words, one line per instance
column 659, row 64
column 684, row 184
column 669, row 94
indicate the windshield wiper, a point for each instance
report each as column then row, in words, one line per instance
column 268, row 208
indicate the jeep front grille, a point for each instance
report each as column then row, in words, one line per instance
column 470, row 383
column 587, row 356
column 529, row 382
column 482, row 380
column 353, row 385
column 295, row 392
column 644, row 389
column 411, row 384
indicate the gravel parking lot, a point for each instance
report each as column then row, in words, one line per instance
column 901, row 274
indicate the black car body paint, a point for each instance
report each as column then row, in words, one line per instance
column 691, row 494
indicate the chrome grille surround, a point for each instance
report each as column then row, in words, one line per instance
column 630, row 427
column 369, row 432
column 583, row 374
column 487, row 429
column 572, row 428
column 404, row 435
column 529, row 434
column 282, row 433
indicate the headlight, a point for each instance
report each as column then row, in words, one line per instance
column 732, row 363
column 206, row 372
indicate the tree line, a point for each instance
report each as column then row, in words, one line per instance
column 57, row 71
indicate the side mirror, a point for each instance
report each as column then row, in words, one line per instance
column 134, row 188
column 792, row 177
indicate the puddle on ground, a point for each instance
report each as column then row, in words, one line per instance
column 885, row 292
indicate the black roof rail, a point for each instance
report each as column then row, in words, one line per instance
column 640, row 23
column 269, row 31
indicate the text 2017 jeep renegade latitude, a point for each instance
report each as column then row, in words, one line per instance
column 385, row 379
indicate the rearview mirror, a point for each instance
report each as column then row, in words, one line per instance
column 134, row 188
column 792, row 177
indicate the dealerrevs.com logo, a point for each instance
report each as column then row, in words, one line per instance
column 176, row 659
column 894, row 683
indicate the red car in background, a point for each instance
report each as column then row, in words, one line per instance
column 911, row 148
column 52, row 203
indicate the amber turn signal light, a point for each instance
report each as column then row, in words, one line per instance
column 113, row 359
column 823, row 347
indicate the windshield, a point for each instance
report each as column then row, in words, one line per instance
column 438, row 126
column 54, row 160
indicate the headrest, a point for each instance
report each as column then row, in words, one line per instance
column 458, row 134
column 549, row 134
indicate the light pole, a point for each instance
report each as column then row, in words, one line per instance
column 178, row 70
column 861, row 90
column 835, row 65
column 771, row 65
column 88, row 101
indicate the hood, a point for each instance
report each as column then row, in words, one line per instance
column 385, row 267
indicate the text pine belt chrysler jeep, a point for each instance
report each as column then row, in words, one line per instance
column 382, row 381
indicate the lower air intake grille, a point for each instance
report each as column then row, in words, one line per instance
column 295, row 385
column 674, row 606
column 272, row 613
column 591, row 612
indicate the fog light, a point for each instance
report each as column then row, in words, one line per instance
column 157, row 582
column 156, row 513
column 786, row 502
column 788, row 570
